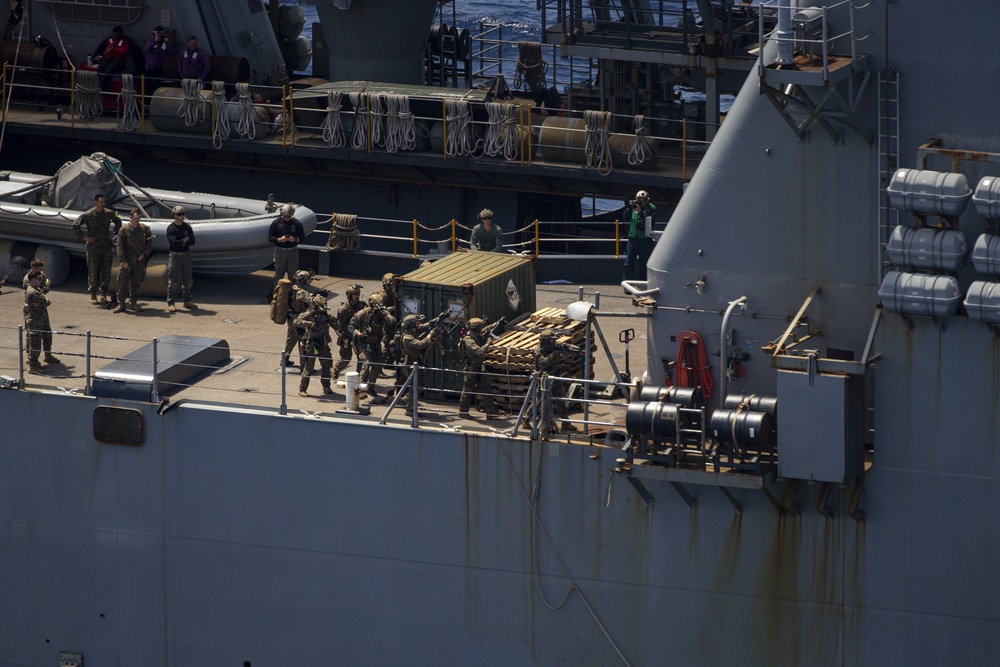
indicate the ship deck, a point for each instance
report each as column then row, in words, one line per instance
column 233, row 309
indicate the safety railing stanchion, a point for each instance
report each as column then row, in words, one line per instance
column 414, row 237
column 156, row 389
column 618, row 239
column 444, row 130
column 684, row 149
column 291, row 114
column 454, row 237
column 72, row 99
column 3, row 90
column 284, row 117
column 537, row 244
column 415, row 388
column 20, row 350
column 284, row 405
column 87, row 389
column 142, row 106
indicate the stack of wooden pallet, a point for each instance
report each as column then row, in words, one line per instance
column 510, row 359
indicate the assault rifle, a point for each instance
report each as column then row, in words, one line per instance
column 496, row 328
column 440, row 322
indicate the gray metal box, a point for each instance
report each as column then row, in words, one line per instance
column 820, row 433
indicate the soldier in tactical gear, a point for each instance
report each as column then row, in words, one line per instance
column 473, row 347
column 367, row 330
column 550, row 361
column 313, row 327
column 415, row 339
column 388, row 292
column 346, row 311
column 299, row 299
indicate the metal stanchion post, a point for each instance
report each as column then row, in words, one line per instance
column 87, row 389
column 156, row 390
column 415, row 388
column 20, row 349
column 284, row 407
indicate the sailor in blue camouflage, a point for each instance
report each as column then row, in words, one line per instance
column 101, row 226
column 134, row 243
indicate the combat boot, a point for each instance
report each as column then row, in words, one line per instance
column 327, row 389
column 136, row 307
column 93, row 298
column 104, row 298
column 190, row 305
column 35, row 367
column 171, row 308
column 120, row 308
column 50, row 359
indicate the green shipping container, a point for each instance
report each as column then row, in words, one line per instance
column 488, row 285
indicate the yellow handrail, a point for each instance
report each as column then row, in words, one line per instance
column 414, row 237
column 291, row 114
column 454, row 236
column 537, row 254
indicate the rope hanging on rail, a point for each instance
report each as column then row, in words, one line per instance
column 131, row 119
column 502, row 135
column 642, row 149
column 359, row 133
column 192, row 107
column 333, row 127
column 400, row 128
column 220, row 131
column 344, row 236
column 378, row 112
column 88, row 94
column 461, row 142
column 246, row 115
column 531, row 70
column 598, row 149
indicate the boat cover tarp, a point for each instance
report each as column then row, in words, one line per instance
column 78, row 182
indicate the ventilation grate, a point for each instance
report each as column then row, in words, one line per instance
column 118, row 426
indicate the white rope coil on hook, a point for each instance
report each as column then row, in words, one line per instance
column 378, row 113
column 460, row 142
column 131, row 118
column 88, row 94
column 400, row 128
column 502, row 133
column 359, row 133
column 333, row 128
column 220, row 130
column 531, row 69
column 642, row 149
column 246, row 115
column 597, row 148
column 192, row 107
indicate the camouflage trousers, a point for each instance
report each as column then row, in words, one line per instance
column 370, row 356
column 474, row 383
column 179, row 278
column 39, row 334
column 98, row 268
column 346, row 351
column 129, row 281
column 310, row 352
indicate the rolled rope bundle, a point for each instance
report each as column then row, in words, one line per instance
column 597, row 148
column 88, row 94
column 460, row 142
column 344, row 236
column 333, row 127
column 220, row 130
column 377, row 110
column 359, row 133
column 400, row 128
column 131, row 118
column 531, row 70
column 192, row 107
column 642, row 149
column 246, row 117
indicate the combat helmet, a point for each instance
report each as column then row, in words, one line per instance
column 302, row 277
column 410, row 322
column 476, row 324
column 388, row 279
column 547, row 337
column 319, row 303
column 375, row 300
column 353, row 290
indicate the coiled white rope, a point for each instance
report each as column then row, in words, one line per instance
column 377, row 108
column 460, row 141
column 246, row 115
column 88, row 94
column 502, row 133
column 642, row 149
column 359, row 133
column 131, row 118
column 598, row 149
column 400, row 128
column 333, row 128
column 220, row 129
column 531, row 69
column 192, row 107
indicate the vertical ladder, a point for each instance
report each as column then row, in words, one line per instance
column 888, row 158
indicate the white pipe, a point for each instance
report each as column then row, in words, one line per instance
column 783, row 35
column 638, row 288
column 353, row 389
column 723, row 370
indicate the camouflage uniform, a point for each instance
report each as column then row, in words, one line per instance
column 366, row 330
column 99, row 228
column 298, row 302
column 549, row 361
column 346, row 311
column 416, row 340
column 134, row 244
column 36, row 324
column 313, row 328
column 46, row 285
column 473, row 348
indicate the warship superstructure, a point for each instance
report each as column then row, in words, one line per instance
column 836, row 513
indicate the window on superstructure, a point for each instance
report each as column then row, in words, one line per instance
column 98, row 11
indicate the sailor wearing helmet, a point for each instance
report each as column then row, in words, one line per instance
column 642, row 215
column 473, row 347
column 314, row 343
column 486, row 236
column 299, row 299
column 346, row 311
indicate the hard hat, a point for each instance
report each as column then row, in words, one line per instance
column 302, row 277
column 485, row 213
column 319, row 302
column 642, row 194
column 178, row 210
column 353, row 290
column 547, row 335
column 476, row 324
column 410, row 321
column 287, row 210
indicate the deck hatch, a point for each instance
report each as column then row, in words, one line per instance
column 118, row 426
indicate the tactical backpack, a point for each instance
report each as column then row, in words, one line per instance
column 279, row 301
